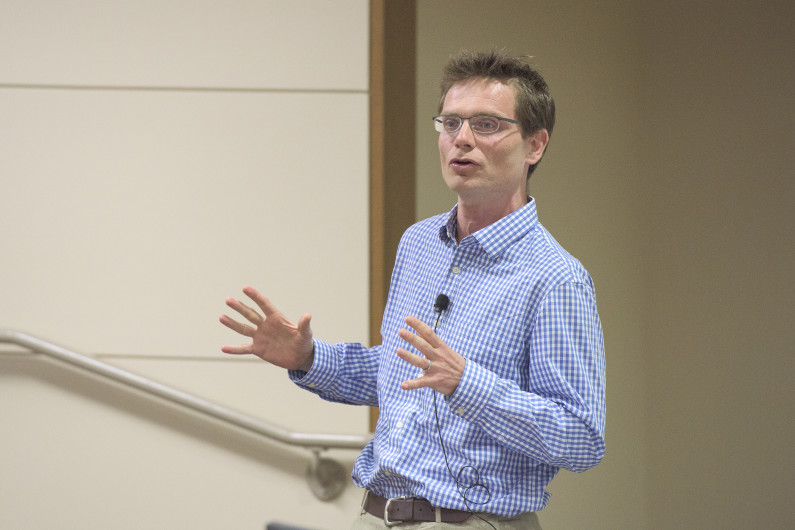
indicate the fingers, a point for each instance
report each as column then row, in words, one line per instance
column 442, row 367
column 424, row 341
column 416, row 360
column 414, row 384
column 421, row 363
column 243, row 329
column 420, row 343
column 245, row 311
column 248, row 313
column 425, row 331
column 242, row 349
column 261, row 300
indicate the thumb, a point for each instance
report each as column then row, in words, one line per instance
column 303, row 326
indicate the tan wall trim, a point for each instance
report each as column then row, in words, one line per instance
column 392, row 145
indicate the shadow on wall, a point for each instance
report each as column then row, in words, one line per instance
column 281, row 526
column 153, row 410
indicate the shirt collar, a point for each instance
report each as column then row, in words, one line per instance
column 496, row 237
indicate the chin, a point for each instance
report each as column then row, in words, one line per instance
column 457, row 184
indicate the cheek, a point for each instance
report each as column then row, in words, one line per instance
column 442, row 156
column 514, row 157
column 444, row 143
column 444, row 149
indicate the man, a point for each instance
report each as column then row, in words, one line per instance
column 487, row 393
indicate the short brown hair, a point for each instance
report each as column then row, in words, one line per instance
column 534, row 106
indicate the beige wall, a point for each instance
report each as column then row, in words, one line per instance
column 669, row 175
column 719, row 257
column 156, row 157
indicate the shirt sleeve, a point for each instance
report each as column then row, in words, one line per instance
column 559, row 418
column 342, row 373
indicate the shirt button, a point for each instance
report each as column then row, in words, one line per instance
column 456, row 270
column 387, row 473
column 311, row 385
column 460, row 411
column 399, row 425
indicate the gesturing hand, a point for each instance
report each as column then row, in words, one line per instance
column 446, row 366
column 273, row 337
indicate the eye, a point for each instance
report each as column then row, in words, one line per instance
column 485, row 124
column 451, row 123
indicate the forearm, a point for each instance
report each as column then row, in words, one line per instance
column 342, row 373
column 566, row 434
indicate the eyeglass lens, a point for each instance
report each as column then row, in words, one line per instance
column 479, row 124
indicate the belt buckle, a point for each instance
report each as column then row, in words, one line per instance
column 386, row 511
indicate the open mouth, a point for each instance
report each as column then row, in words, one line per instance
column 462, row 162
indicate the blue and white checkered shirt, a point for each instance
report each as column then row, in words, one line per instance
column 532, row 398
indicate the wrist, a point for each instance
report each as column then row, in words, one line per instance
column 309, row 360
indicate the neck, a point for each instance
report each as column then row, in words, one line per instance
column 471, row 217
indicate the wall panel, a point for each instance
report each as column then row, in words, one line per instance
column 77, row 452
column 134, row 214
column 249, row 43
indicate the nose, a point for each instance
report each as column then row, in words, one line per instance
column 465, row 137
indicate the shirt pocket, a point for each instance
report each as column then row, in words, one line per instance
column 500, row 350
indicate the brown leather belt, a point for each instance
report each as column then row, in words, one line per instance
column 409, row 509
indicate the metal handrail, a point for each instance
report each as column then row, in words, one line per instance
column 317, row 442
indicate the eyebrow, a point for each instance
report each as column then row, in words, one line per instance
column 489, row 114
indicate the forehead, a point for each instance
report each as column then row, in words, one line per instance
column 480, row 96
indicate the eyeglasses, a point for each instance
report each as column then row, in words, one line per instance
column 479, row 124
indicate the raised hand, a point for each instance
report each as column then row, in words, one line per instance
column 442, row 367
column 273, row 338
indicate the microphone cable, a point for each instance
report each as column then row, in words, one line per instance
column 442, row 301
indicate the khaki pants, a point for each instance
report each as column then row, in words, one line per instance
column 523, row 521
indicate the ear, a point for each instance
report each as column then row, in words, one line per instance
column 536, row 144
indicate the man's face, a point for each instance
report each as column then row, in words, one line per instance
column 491, row 167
